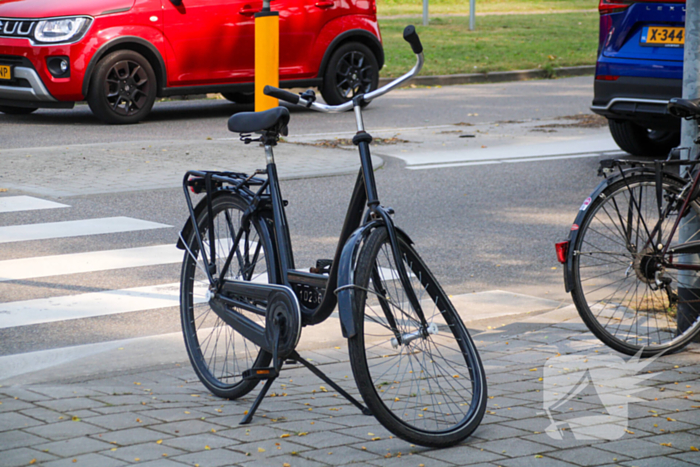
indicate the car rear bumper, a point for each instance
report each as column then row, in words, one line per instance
column 642, row 100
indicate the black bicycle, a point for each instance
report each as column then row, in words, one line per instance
column 244, row 304
column 632, row 261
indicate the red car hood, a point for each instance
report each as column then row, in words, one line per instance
column 50, row 8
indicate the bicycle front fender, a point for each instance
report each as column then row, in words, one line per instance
column 346, row 292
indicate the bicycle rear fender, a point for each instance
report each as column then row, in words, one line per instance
column 583, row 210
column 346, row 275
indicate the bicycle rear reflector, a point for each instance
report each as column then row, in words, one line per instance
column 562, row 251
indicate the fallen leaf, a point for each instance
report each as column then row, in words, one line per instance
column 75, row 419
column 693, row 448
column 286, row 435
column 261, row 450
column 32, row 461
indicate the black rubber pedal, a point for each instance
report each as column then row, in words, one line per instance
column 323, row 266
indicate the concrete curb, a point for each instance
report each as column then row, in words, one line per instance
column 496, row 76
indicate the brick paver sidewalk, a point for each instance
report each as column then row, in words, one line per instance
column 166, row 418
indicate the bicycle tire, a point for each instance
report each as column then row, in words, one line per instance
column 614, row 280
column 218, row 353
column 430, row 391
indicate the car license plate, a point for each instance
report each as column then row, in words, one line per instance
column 663, row 36
column 5, row 72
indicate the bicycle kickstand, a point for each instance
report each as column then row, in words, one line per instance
column 258, row 400
column 269, row 374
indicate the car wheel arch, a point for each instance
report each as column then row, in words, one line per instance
column 354, row 35
column 136, row 44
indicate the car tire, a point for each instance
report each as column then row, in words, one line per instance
column 9, row 110
column 123, row 88
column 240, row 97
column 353, row 69
column 639, row 141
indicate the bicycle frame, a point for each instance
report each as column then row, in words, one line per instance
column 267, row 201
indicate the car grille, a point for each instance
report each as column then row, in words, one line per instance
column 16, row 27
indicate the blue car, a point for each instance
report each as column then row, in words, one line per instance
column 639, row 68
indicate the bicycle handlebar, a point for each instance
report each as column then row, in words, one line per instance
column 409, row 34
column 281, row 94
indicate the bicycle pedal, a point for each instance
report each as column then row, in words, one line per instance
column 259, row 374
column 323, row 266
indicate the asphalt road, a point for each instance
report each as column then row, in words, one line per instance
column 481, row 227
column 402, row 108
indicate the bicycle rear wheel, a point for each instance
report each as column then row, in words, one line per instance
column 616, row 270
column 430, row 389
column 218, row 353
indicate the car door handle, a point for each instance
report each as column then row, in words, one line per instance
column 325, row 4
column 249, row 11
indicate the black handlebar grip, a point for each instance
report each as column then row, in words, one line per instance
column 411, row 36
column 281, row 94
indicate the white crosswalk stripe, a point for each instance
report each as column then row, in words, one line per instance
column 109, row 302
column 27, row 203
column 92, row 261
column 23, row 233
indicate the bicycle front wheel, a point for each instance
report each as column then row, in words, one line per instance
column 218, row 353
column 426, row 386
column 626, row 293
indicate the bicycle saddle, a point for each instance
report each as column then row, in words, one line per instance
column 273, row 120
column 684, row 108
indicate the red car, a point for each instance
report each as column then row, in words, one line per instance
column 120, row 55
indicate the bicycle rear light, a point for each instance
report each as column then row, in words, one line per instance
column 562, row 251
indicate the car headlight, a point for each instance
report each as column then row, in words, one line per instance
column 60, row 30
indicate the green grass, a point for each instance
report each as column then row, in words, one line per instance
column 499, row 43
column 441, row 7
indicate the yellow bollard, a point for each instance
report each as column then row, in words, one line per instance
column 267, row 52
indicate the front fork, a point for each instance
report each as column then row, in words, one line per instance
column 362, row 140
